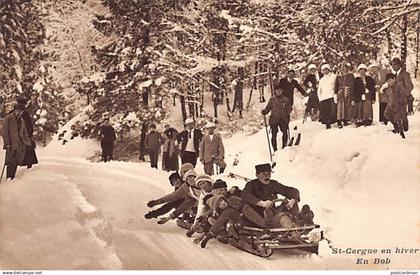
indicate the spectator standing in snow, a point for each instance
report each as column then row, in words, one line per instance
column 326, row 90
column 403, row 77
column 280, row 108
column 16, row 139
column 396, row 109
column 170, row 150
column 344, row 95
column 379, row 76
column 289, row 84
column 153, row 142
column 108, row 138
column 190, row 140
column 164, row 152
column 311, row 83
column 364, row 96
column 212, row 150
column 30, row 155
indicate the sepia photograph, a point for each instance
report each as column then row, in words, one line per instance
column 235, row 135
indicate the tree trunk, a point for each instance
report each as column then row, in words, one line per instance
column 183, row 109
column 404, row 42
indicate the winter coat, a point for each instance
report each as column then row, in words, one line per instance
column 15, row 134
column 327, row 87
column 396, row 108
column 311, row 82
column 256, row 191
column 404, row 79
column 366, row 88
column 289, row 87
column 345, row 87
column 183, row 138
column 212, row 149
column 107, row 134
column 280, row 108
column 380, row 79
column 153, row 140
column 183, row 192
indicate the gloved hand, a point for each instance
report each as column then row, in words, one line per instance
column 152, row 203
column 290, row 204
column 265, row 204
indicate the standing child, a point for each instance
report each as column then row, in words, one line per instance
column 153, row 142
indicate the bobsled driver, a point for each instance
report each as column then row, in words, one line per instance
column 260, row 193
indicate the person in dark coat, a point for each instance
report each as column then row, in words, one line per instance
column 16, row 139
column 289, row 84
column 344, row 95
column 190, row 140
column 153, row 142
column 108, row 138
column 170, row 150
column 396, row 109
column 260, row 193
column 403, row 77
column 311, row 84
column 280, row 108
column 176, row 181
column 30, row 154
column 364, row 96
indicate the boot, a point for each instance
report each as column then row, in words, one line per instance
column 205, row 240
column 149, row 215
column 340, row 125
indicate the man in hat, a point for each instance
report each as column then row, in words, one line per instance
column 190, row 140
column 108, row 138
column 280, row 108
column 30, row 154
column 364, row 96
column 212, row 150
column 326, row 90
column 289, row 84
column 16, row 139
column 403, row 77
column 261, row 192
column 153, row 142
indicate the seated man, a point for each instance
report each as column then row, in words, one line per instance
column 261, row 192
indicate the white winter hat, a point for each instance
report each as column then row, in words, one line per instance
column 361, row 66
column 374, row 64
column 189, row 121
column 326, row 66
column 210, row 125
column 203, row 177
column 190, row 172
column 311, row 66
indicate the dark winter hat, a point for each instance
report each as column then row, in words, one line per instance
column 174, row 176
column 219, row 184
column 266, row 167
column 152, row 126
column 396, row 60
column 389, row 76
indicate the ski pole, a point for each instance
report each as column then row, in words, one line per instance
column 2, row 170
column 268, row 141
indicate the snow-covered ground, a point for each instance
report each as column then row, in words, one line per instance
column 70, row 213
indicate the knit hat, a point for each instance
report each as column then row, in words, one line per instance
column 174, row 176
column 361, row 66
column 185, row 167
column 190, row 172
column 219, row 184
column 326, row 66
column 266, row 167
column 203, row 177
